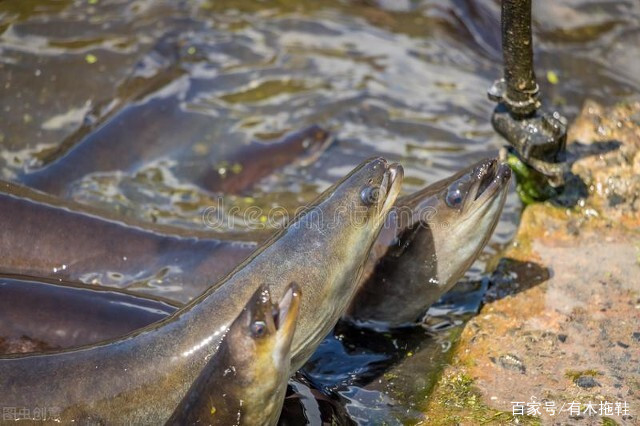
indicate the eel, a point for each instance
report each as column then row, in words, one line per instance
column 143, row 376
column 246, row 381
column 46, row 314
column 407, row 261
column 45, row 236
column 227, row 168
column 155, row 107
column 434, row 236
column 250, row 163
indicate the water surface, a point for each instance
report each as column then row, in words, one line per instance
column 185, row 79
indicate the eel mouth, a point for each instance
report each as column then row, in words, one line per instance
column 317, row 141
column 390, row 187
column 286, row 315
column 490, row 177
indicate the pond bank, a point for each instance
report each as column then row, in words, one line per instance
column 559, row 335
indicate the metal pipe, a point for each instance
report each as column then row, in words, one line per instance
column 521, row 91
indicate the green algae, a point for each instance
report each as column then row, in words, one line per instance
column 453, row 399
column 531, row 185
column 576, row 374
column 264, row 91
column 457, row 401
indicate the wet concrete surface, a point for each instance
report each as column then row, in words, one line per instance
column 558, row 336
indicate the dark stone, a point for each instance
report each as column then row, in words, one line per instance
column 586, row 382
column 512, row 362
column 622, row 345
column 562, row 337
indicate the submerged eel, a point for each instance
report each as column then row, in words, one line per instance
column 143, row 376
column 109, row 149
column 151, row 109
column 246, row 380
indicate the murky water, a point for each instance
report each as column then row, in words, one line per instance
column 187, row 81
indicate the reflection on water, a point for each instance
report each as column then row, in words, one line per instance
column 169, row 86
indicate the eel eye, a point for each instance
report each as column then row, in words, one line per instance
column 258, row 329
column 454, row 198
column 370, row 195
